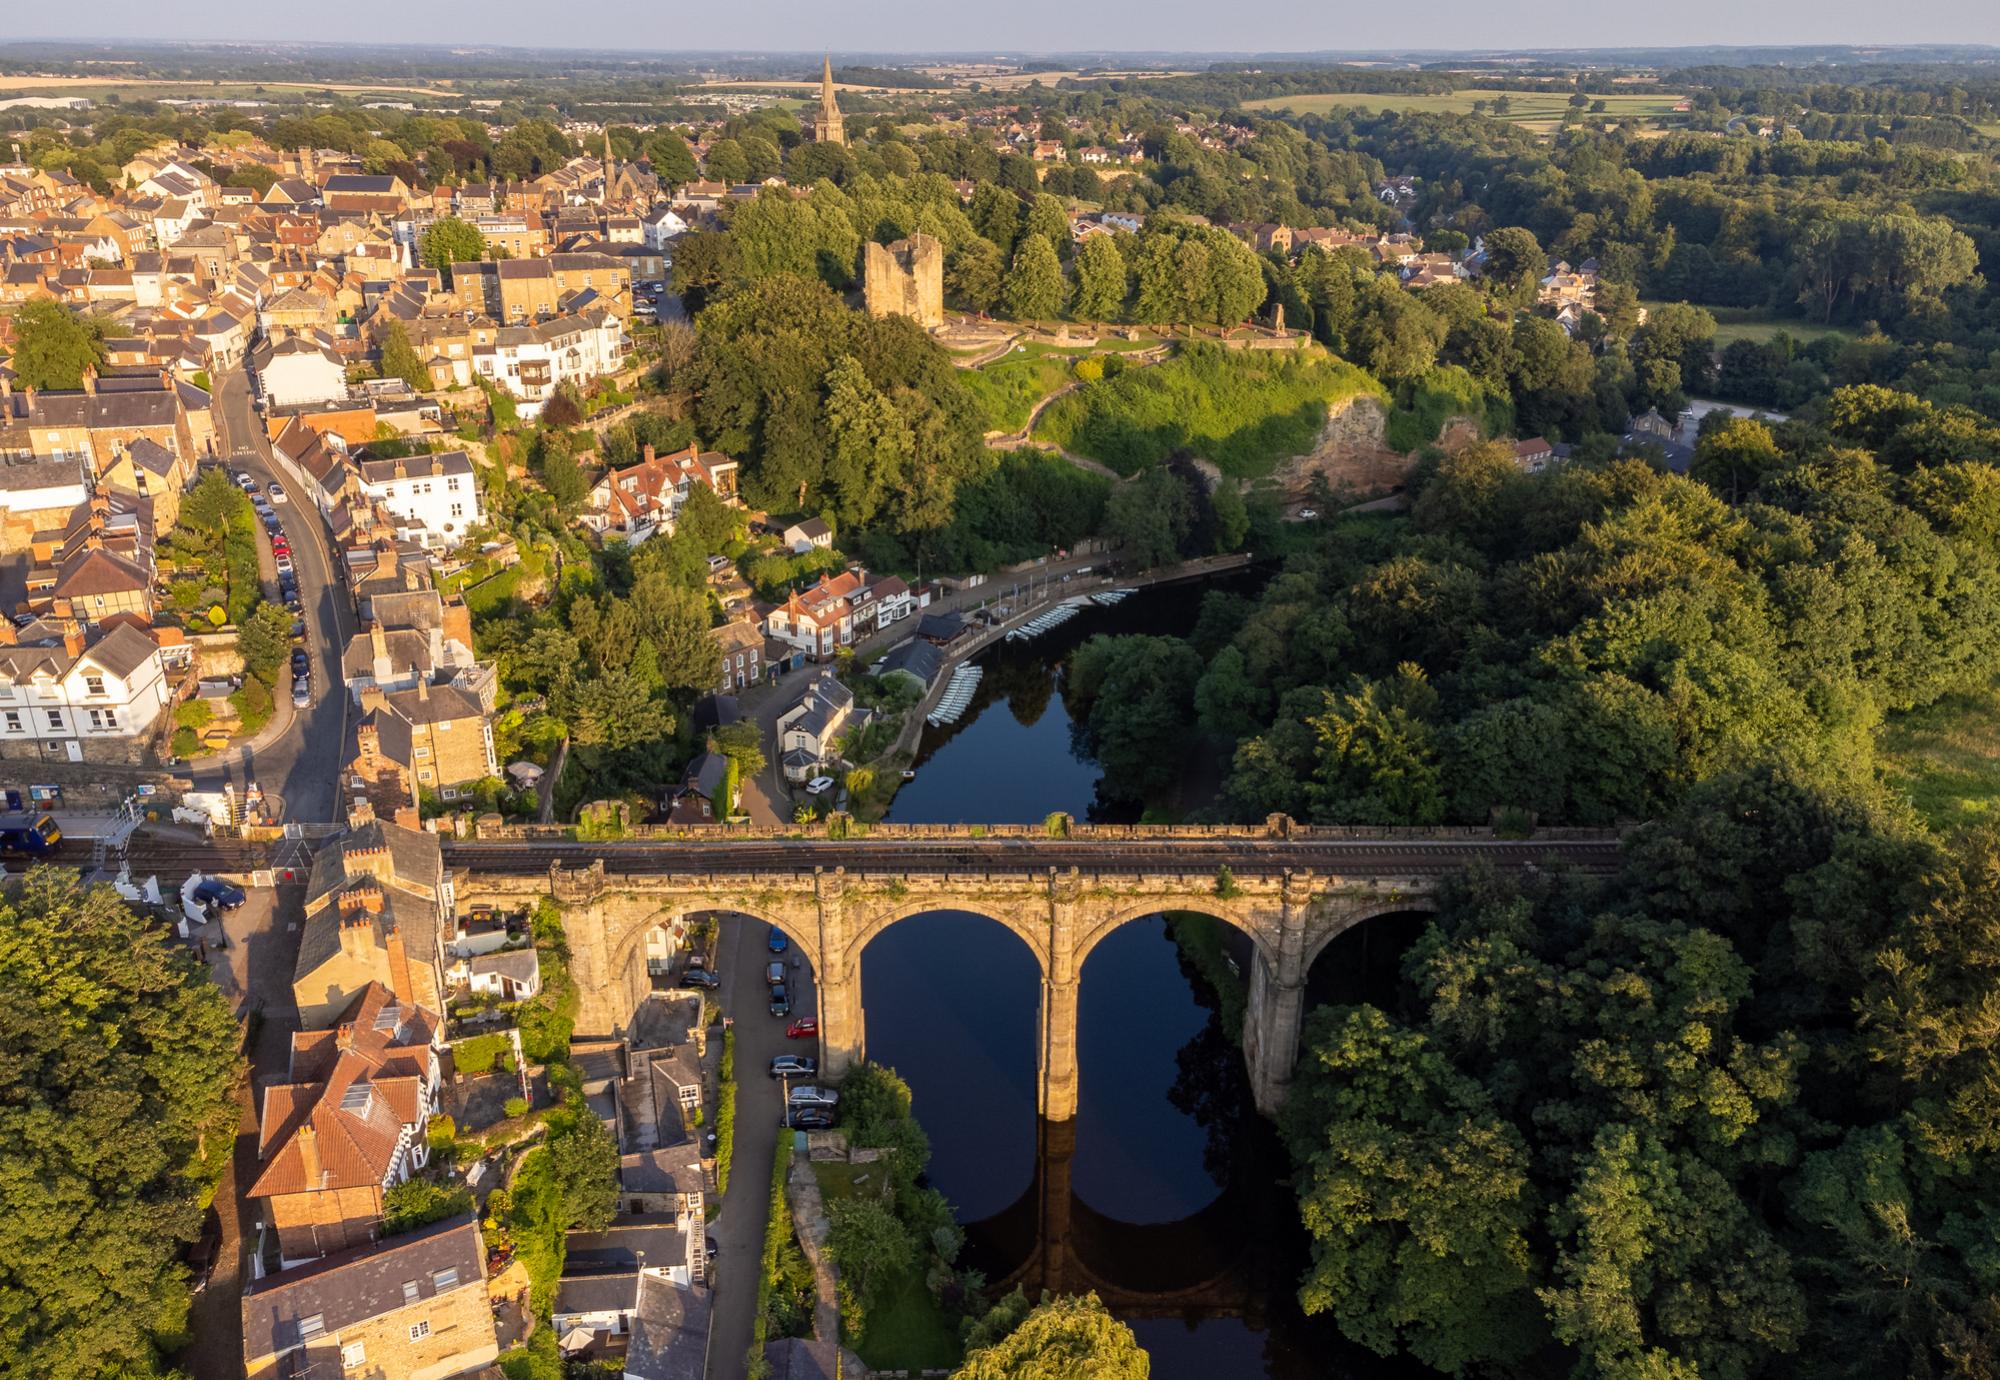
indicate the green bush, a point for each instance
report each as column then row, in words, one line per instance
column 1422, row 408
column 253, row 705
column 1245, row 410
column 419, row 1202
column 516, row 1106
column 725, row 1115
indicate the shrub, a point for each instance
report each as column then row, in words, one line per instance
column 419, row 1202
column 1090, row 369
column 725, row 1116
column 516, row 1106
column 253, row 705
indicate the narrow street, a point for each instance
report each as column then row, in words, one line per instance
column 302, row 766
column 760, row 1036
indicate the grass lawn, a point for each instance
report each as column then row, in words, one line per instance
column 1745, row 323
column 1536, row 110
column 907, row 1331
column 1946, row 758
column 487, row 586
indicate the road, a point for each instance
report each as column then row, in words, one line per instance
column 739, row 1230
column 1361, row 857
column 302, row 767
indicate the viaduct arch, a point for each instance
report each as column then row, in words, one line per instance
column 1061, row 913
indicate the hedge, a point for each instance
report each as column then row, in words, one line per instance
column 725, row 1114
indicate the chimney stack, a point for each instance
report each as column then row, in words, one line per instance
column 308, row 1141
column 90, row 379
column 399, row 969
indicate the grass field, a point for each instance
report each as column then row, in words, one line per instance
column 1010, row 386
column 1741, row 323
column 1946, row 759
column 1536, row 110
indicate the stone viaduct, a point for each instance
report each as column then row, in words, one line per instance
column 831, row 910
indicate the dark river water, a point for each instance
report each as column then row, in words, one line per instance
column 1177, row 1205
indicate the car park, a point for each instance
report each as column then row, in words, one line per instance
column 794, row 1066
column 810, row 1096
column 818, row 784
column 702, row 978
column 775, row 941
column 213, row 891
column 781, row 1001
column 804, row 1028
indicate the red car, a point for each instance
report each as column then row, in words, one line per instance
column 805, row 1029
column 281, row 546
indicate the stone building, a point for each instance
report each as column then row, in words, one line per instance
column 415, row 1306
column 826, row 126
column 906, row 279
column 375, row 912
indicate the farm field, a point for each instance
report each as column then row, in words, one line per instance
column 149, row 88
column 1536, row 110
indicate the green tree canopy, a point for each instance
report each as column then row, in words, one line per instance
column 1060, row 1339
column 53, row 346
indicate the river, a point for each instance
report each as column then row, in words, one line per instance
column 1177, row 1204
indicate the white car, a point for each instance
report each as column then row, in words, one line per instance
column 277, row 491
column 1308, row 513
column 819, row 784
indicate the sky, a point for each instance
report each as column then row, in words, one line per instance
column 1033, row 25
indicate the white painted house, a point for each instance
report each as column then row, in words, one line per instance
column 434, row 498
column 532, row 362
column 298, row 369
column 63, row 699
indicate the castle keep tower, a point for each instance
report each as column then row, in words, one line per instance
column 827, row 127
column 905, row 279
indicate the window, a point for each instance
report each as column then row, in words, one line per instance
column 420, row 1329
column 410, row 1291
column 421, row 753
column 451, row 484
column 311, row 1326
column 93, row 685
column 426, row 776
column 56, row 724
column 445, row 1279
column 103, row 718
column 13, row 721
column 353, row 1355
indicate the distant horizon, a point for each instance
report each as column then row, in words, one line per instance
column 924, row 28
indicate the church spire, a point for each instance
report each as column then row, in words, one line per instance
column 826, row 105
column 827, row 127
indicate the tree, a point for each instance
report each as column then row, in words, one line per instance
column 449, row 240
column 1047, row 218
column 1062, row 1338
column 53, row 346
column 672, row 159
column 120, row 1056
column 871, row 1247
column 871, row 444
column 1135, row 697
column 1515, row 264
column 973, row 272
column 743, row 744
column 400, row 359
column 585, row 1156
column 1416, row 1194
column 1148, row 517
column 264, row 640
column 1735, row 457
column 674, row 619
column 1034, row 289
column 1100, row 280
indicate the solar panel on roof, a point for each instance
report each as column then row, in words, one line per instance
column 355, row 1099
column 389, row 1017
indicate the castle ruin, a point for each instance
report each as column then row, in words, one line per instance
column 906, row 279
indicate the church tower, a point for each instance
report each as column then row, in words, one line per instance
column 826, row 125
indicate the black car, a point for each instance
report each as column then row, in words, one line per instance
column 700, row 977
column 213, row 891
column 808, row 1119
column 781, row 1000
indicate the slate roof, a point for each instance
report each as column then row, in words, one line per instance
column 352, row 1286
column 669, row 1339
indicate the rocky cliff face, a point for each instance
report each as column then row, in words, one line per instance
column 1351, row 453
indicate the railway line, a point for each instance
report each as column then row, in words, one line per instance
column 958, row 857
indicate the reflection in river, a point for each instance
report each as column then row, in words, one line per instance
column 1167, row 1193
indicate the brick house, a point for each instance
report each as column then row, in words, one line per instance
column 437, row 735
column 347, row 1125
column 414, row 1307
column 742, row 648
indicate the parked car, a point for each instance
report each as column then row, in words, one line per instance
column 301, row 663
column 244, row 482
column 775, row 941
column 298, row 629
column 808, row 1119
column 280, row 546
column 794, row 1066
column 781, row 1001
column 285, row 564
column 804, row 1028
column 774, row 973
column 207, row 1249
column 276, row 490
column 819, row 784
column 213, row 891
column 700, row 977
column 1308, row 513
column 644, row 308
column 302, row 694
column 810, row 1096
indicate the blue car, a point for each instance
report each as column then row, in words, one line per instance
column 213, row 891
column 777, row 943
